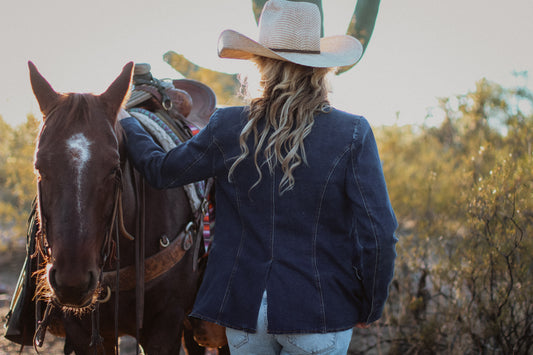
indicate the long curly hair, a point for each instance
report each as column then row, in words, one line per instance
column 291, row 95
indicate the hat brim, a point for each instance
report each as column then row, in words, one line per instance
column 335, row 51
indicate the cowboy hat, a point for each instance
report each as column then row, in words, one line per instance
column 290, row 31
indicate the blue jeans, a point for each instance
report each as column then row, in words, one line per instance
column 262, row 343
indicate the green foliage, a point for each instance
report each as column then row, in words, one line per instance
column 463, row 195
column 17, row 179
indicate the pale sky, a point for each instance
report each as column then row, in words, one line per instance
column 420, row 49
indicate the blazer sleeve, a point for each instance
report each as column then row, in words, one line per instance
column 374, row 218
column 187, row 163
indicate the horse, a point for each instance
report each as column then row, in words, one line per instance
column 117, row 255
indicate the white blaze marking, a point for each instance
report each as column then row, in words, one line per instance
column 78, row 146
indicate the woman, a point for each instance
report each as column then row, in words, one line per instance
column 305, row 241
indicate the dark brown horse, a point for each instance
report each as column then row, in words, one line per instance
column 89, row 198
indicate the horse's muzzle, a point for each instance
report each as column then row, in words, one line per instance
column 70, row 290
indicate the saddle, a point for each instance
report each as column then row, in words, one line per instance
column 186, row 101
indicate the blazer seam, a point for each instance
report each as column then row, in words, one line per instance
column 236, row 262
column 315, row 234
column 361, row 192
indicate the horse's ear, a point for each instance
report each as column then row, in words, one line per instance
column 117, row 92
column 43, row 91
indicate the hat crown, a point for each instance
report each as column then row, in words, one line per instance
column 290, row 26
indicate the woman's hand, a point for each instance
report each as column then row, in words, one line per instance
column 122, row 114
column 362, row 325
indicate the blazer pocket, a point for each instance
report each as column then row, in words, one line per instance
column 359, row 287
column 357, row 273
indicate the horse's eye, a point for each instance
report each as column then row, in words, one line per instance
column 114, row 174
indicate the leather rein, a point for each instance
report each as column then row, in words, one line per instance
column 144, row 270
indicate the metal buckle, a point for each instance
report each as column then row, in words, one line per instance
column 188, row 241
column 163, row 241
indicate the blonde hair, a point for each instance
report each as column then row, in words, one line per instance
column 291, row 95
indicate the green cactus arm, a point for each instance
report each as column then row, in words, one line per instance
column 362, row 25
column 363, row 20
column 257, row 7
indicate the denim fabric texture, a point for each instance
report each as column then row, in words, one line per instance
column 262, row 343
column 324, row 251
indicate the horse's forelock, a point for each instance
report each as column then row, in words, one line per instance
column 72, row 109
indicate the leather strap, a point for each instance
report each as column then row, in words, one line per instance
column 139, row 258
column 154, row 266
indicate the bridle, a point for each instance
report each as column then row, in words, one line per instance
column 117, row 228
column 117, row 219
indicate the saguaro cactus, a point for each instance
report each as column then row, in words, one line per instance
column 361, row 27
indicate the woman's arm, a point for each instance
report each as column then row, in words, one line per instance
column 374, row 218
column 188, row 162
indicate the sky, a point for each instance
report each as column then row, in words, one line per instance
column 420, row 49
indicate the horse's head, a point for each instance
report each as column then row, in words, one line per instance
column 78, row 165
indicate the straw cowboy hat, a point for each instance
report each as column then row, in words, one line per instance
column 290, row 31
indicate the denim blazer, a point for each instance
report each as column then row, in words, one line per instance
column 324, row 251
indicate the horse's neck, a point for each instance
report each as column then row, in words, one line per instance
column 121, row 138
